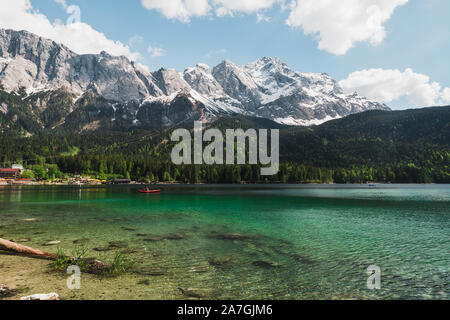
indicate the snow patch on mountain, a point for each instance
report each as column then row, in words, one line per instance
column 266, row 88
column 290, row 121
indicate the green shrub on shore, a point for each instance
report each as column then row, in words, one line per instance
column 63, row 261
column 119, row 265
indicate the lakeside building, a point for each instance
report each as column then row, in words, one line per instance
column 18, row 166
column 10, row 173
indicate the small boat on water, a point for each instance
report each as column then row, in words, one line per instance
column 149, row 191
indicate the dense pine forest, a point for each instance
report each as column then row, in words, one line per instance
column 411, row 146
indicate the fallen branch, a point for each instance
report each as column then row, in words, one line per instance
column 14, row 247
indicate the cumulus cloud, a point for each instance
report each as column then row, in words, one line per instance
column 446, row 95
column 340, row 24
column 184, row 10
column 62, row 3
column 179, row 9
column 136, row 40
column 386, row 85
column 262, row 18
column 156, row 52
column 228, row 7
column 79, row 37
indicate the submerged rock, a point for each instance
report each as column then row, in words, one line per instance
column 150, row 271
column 302, row 259
column 113, row 245
column 52, row 243
column 177, row 236
column 221, row 261
column 143, row 235
column 230, row 236
column 172, row 236
column 266, row 264
column 130, row 228
column 153, row 239
column 118, row 244
column 81, row 241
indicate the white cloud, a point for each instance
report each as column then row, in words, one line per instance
column 262, row 18
column 63, row 3
column 135, row 40
column 184, row 10
column 388, row 85
column 340, row 24
column 79, row 37
column 228, row 7
column 446, row 95
column 179, row 9
column 156, row 52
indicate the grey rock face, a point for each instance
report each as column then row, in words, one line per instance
column 170, row 81
column 175, row 113
column 30, row 61
column 38, row 64
column 115, row 78
column 124, row 90
column 201, row 80
column 237, row 83
column 210, row 92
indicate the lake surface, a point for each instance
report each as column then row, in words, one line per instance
column 252, row 242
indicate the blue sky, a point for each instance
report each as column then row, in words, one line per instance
column 417, row 38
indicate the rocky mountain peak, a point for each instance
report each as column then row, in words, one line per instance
column 200, row 79
column 170, row 81
column 266, row 88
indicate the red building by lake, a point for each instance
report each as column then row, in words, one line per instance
column 8, row 173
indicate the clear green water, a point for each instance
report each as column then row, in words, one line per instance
column 321, row 238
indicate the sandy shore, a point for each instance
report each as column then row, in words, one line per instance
column 33, row 276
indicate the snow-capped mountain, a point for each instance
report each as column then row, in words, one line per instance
column 99, row 87
column 268, row 88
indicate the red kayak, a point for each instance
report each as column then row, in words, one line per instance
column 149, row 191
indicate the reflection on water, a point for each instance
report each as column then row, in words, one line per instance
column 255, row 242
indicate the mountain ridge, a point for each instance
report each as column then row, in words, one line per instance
column 120, row 89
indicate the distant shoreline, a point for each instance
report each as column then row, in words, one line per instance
column 213, row 184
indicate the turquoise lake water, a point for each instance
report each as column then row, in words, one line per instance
column 254, row 242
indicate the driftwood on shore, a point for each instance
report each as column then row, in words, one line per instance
column 18, row 248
